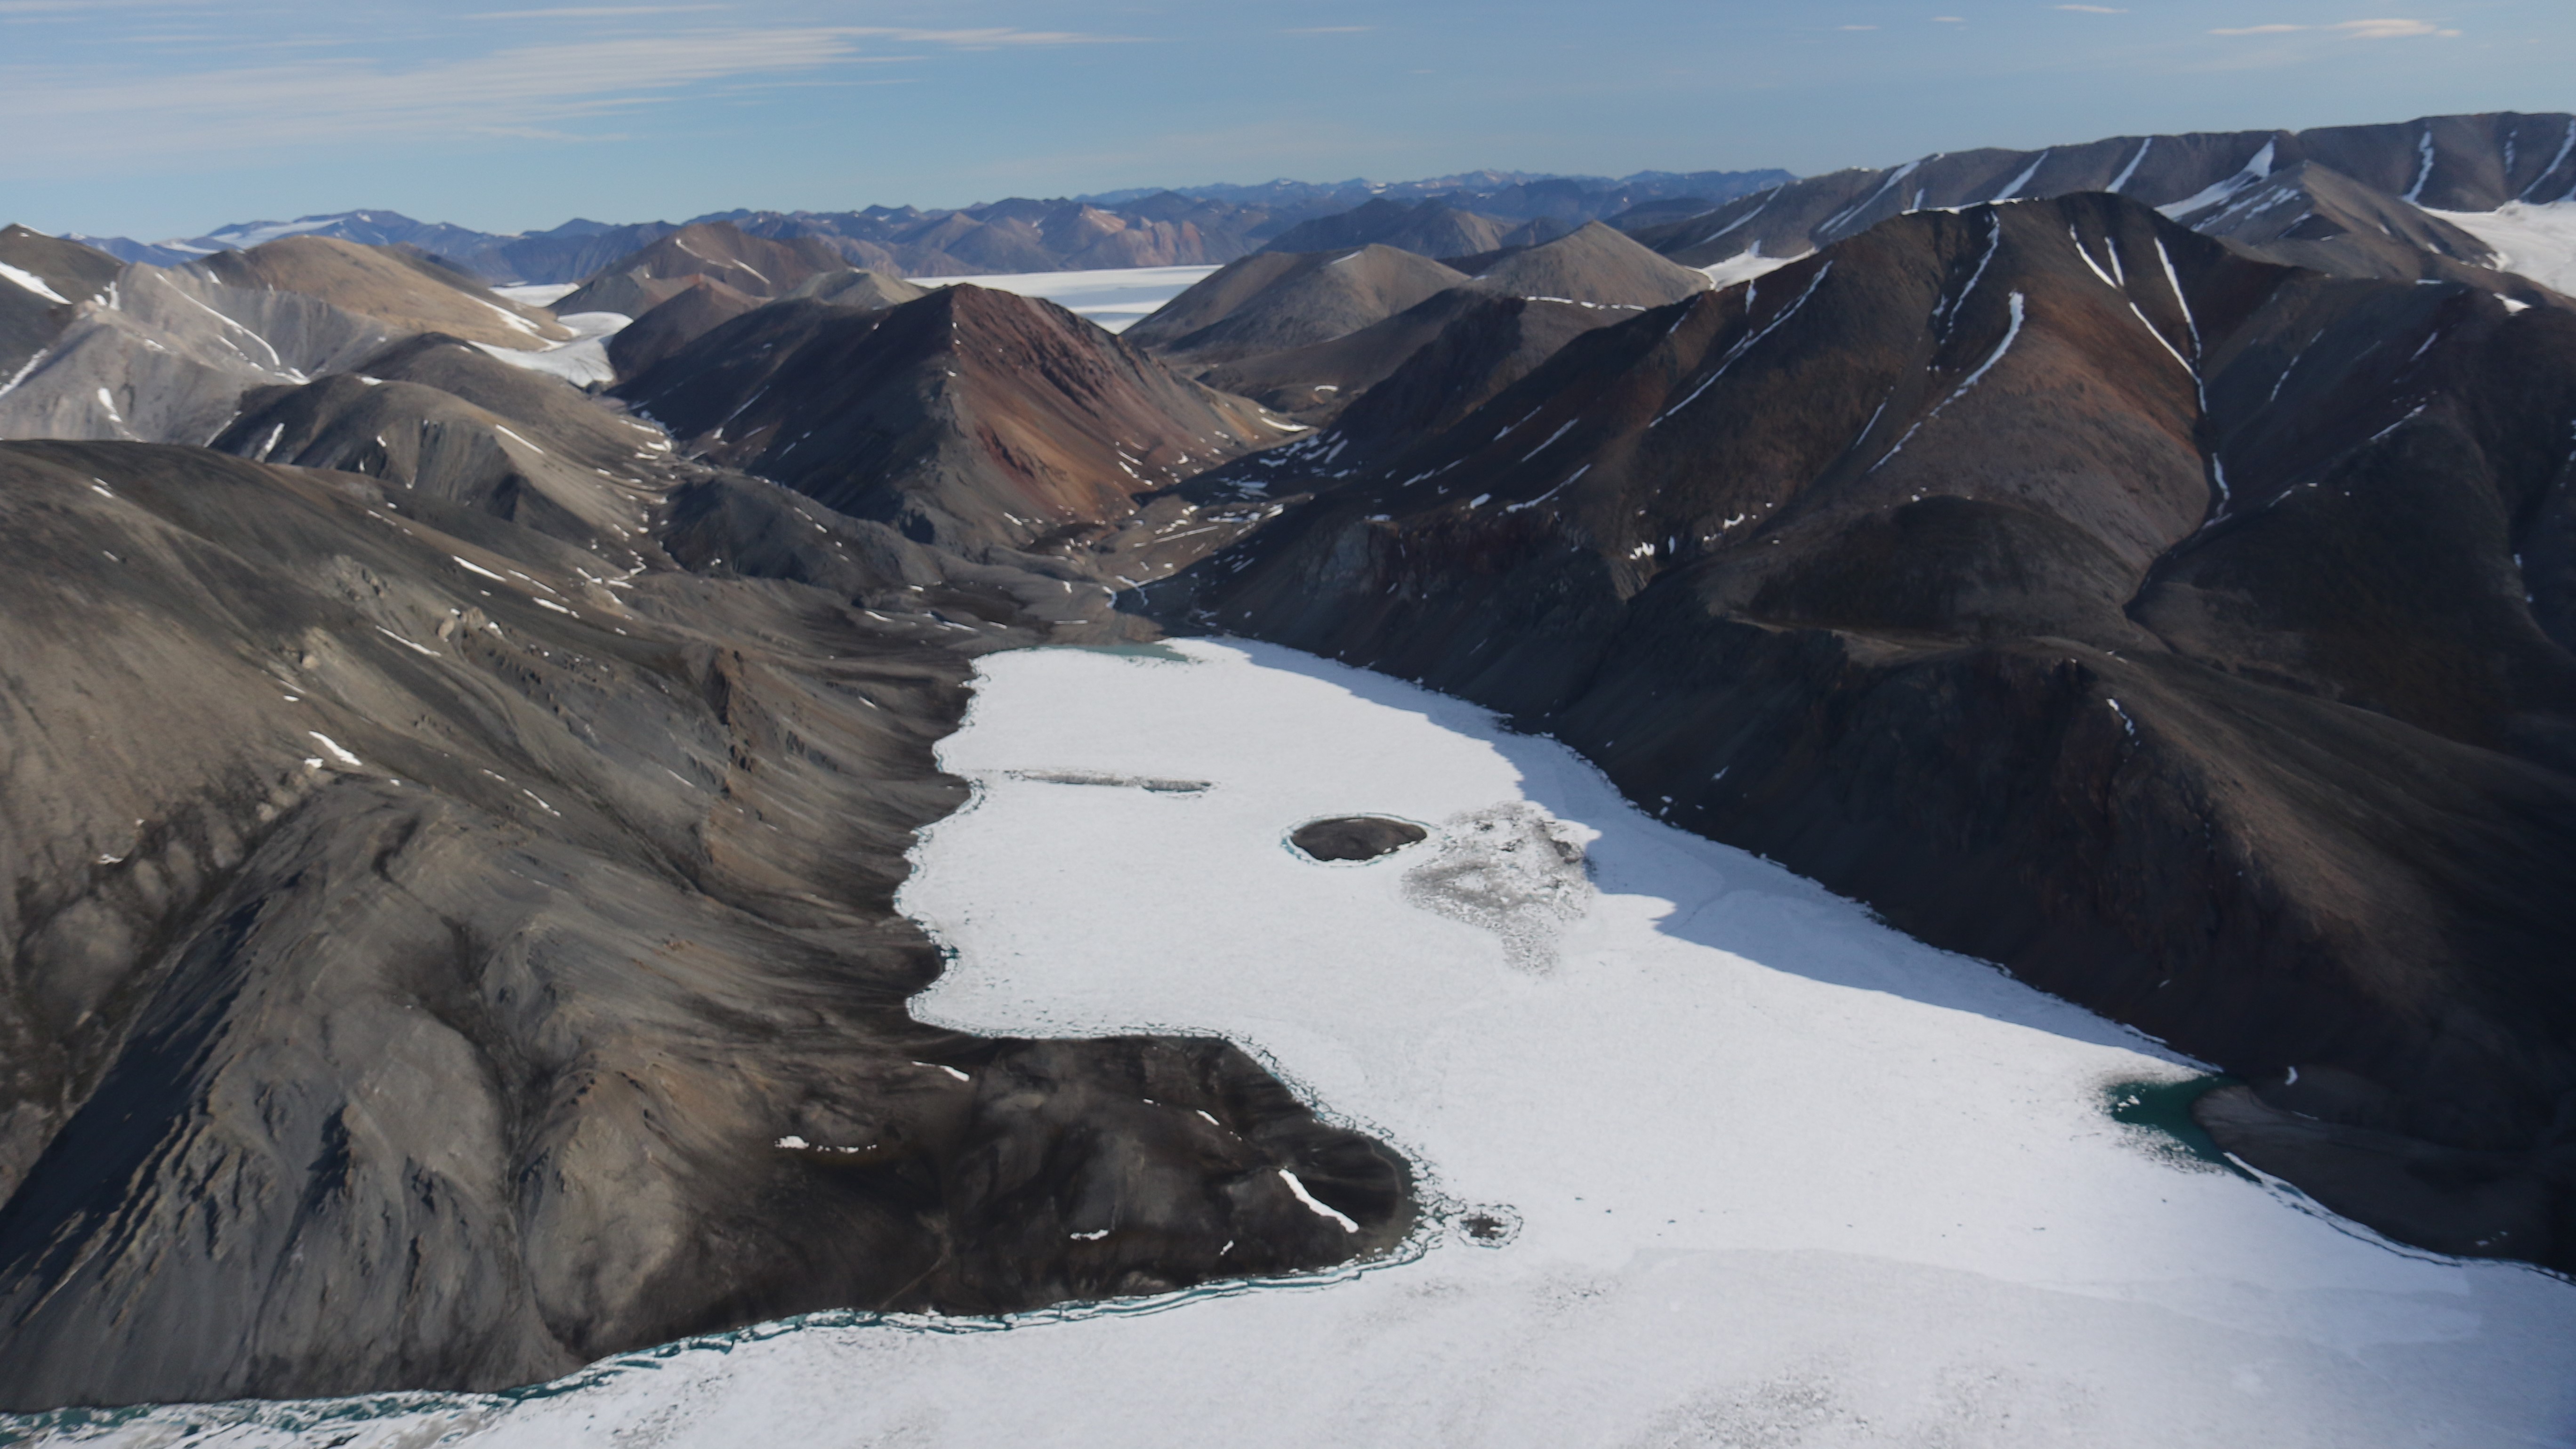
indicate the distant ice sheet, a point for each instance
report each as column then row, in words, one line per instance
column 1739, row 1167
column 1114, row 299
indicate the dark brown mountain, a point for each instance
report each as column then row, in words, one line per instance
column 2188, row 633
column 970, row 418
column 699, row 306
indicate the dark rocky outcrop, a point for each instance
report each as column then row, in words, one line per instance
column 2188, row 633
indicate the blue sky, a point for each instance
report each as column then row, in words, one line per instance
column 156, row 118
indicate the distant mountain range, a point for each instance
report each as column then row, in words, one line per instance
column 1181, row 226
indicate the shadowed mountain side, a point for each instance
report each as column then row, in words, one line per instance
column 1314, row 383
column 970, row 418
column 1922, row 567
column 2312, row 216
column 753, row 266
column 436, row 968
column 406, row 291
column 698, row 309
column 1270, row 301
column 702, row 304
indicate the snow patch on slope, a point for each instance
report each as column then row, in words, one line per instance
column 2538, row 242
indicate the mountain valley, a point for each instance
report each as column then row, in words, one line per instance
column 2147, row 565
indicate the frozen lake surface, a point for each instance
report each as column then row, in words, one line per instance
column 1765, row 1173
column 1115, row 299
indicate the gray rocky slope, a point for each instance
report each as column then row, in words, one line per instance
column 145, row 353
column 451, row 928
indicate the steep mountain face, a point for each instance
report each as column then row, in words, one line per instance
column 2457, row 163
column 336, row 793
column 971, row 418
column 753, row 266
column 1274, row 300
column 2188, row 633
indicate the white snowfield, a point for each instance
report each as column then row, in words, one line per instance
column 581, row 361
column 1115, row 299
column 2538, row 242
column 1746, row 267
column 1780, row 1176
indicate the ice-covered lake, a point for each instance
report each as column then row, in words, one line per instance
column 1115, row 299
column 1775, row 1174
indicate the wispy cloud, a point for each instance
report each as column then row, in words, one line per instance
column 592, row 12
column 2348, row 29
column 529, row 91
column 2094, row 9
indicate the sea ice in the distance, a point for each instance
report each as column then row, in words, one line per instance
column 1780, row 1176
